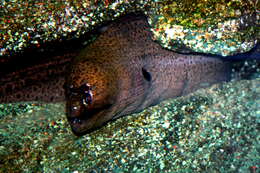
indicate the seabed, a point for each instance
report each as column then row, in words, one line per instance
column 212, row 130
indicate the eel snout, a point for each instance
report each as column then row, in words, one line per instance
column 90, row 96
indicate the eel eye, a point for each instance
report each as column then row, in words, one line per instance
column 87, row 99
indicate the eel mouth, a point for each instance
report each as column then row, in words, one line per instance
column 77, row 125
column 85, row 113
column 89, row 120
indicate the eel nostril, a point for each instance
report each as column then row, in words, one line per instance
column 74, row 108
column 75, row 111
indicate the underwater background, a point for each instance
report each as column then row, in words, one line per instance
column 211, row 130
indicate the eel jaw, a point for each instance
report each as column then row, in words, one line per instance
column 88, row 121
column 84, row 113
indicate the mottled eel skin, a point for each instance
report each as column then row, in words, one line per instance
column 124, row 72
column 40, row 81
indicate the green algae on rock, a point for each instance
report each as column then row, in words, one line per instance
column 217, row 27
column 31, row 23
column 212, row 130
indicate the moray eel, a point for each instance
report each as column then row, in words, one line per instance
column 124, row 71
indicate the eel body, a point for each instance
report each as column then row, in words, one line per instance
column 124, row 71
column 38, row 81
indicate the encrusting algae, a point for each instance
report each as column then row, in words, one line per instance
column 216, row 27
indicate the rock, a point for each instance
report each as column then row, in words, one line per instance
column 211, row 130
column 186, row 26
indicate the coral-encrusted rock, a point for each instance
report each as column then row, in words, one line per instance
column 214, row 27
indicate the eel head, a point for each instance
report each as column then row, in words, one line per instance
column 90, row 94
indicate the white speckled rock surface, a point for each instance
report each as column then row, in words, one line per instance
column 211, row 130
